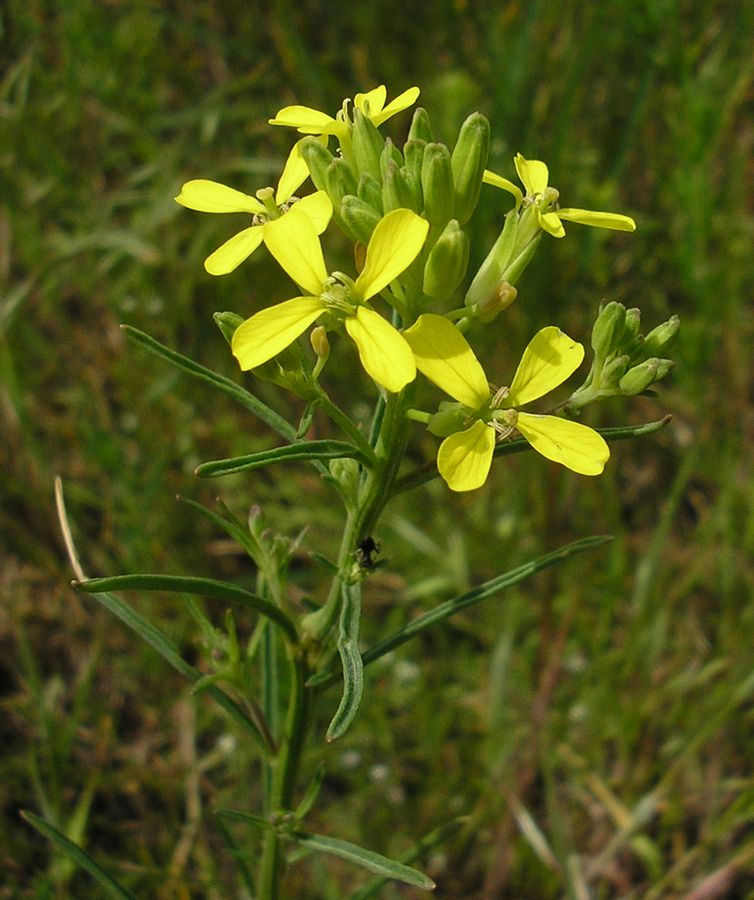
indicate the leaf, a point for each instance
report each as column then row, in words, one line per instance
column 368, row 859
column 74, row 852
column 248, row 818
column 464, row 601
column 241, row 395
column 168, row 651
column 350, row 656
column 204, row 587
column 302, row 450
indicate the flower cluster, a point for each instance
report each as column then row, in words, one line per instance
column 406, row 210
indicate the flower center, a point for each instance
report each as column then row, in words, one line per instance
column 336, row 295
column 271, row 209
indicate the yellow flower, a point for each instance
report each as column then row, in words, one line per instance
column 293, row 241
column 209, row 196
column 534, row 174
column 464, row 458
column 311, row 121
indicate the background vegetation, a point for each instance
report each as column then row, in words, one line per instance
column 596, row 726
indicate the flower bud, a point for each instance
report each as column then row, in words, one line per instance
column 421, row 128
column 320, row 343
column 608, row 329
column 611, row 373
column 413, row 154
column 469, row 161
column 340, row 181
column 437, row 184
column 317, row 158
column 359, row 217
column 370, row 191
column 661, row 339
column 227, row 322
column 367, row 144
column 447, row 262
column 396, row 193
column 639, row 378
column 490, row 273
column 390, row 154
column 501, row 299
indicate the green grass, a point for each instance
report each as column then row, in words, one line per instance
column 594, row 726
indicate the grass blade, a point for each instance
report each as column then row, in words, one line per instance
column 82, row 859
column 204, row 587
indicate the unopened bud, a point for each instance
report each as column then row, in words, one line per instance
column 608, row 329
column 469, row 161
column 501, row 299
column 370, row 191
column 319, row 341
column 437, row 185
column 413, row 154
column 396, row 193
column 639, row 378
column 447, row 262
column 390, row 154
column 421, row 127
column 317, row 158
column 367, row 144
column 340, row 181
column 661, row 339
column 613, row 370
column 359, row 217
column 227, row 322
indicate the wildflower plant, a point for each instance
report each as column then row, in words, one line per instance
column 413, row 311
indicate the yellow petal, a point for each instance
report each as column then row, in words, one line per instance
column 499, row 181
column 552, row 224
column 304, row 118
column 401, row 102
column 443, row 355
column 210, row 196
column 385, row 355
column 295, row 172
column 394, row 245
column 465, row 457
column 234, row 251
column 293, row 241
column 372, row 101
column 319, row 209
column 533, row 174
column 271, row 330
column 548, row 360
column 571, row 444
column 614, row 221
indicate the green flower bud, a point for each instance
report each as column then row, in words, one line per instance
column 317, row 158
column 612, row 372
column 370, row 191
column 437, row 185
column 413, row 154
column 421, row 128
column 359, row 217
column 447, row 262
column 227, row 322
column 661, row 339
column 390, row 154
column 396, row 193
column 469, row 162
column 450, row 418
column 608, row 329
column 490, row 273
column 501, row 299
column 340, row 181
column 367, row 144
column 639, row 378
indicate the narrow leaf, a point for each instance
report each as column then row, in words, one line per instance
column 204, row 587
column 302, row 450
column 350, row 656
column 368, row 859
column 82, row 859
column 248, row 818
column 241, row 395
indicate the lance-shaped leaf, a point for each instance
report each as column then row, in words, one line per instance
column 350, row 656
column 302, row 450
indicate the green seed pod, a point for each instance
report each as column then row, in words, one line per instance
column 227, row 322
column 661, row 339
column 359, row 217
column 447, row 263
column 396, row 193
column 437, row 185
column 317, row 158
column 639, row 378
column 469, row 162
column 367, row 143
column 608, row 329
column 370, row 191
column 421, row 127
